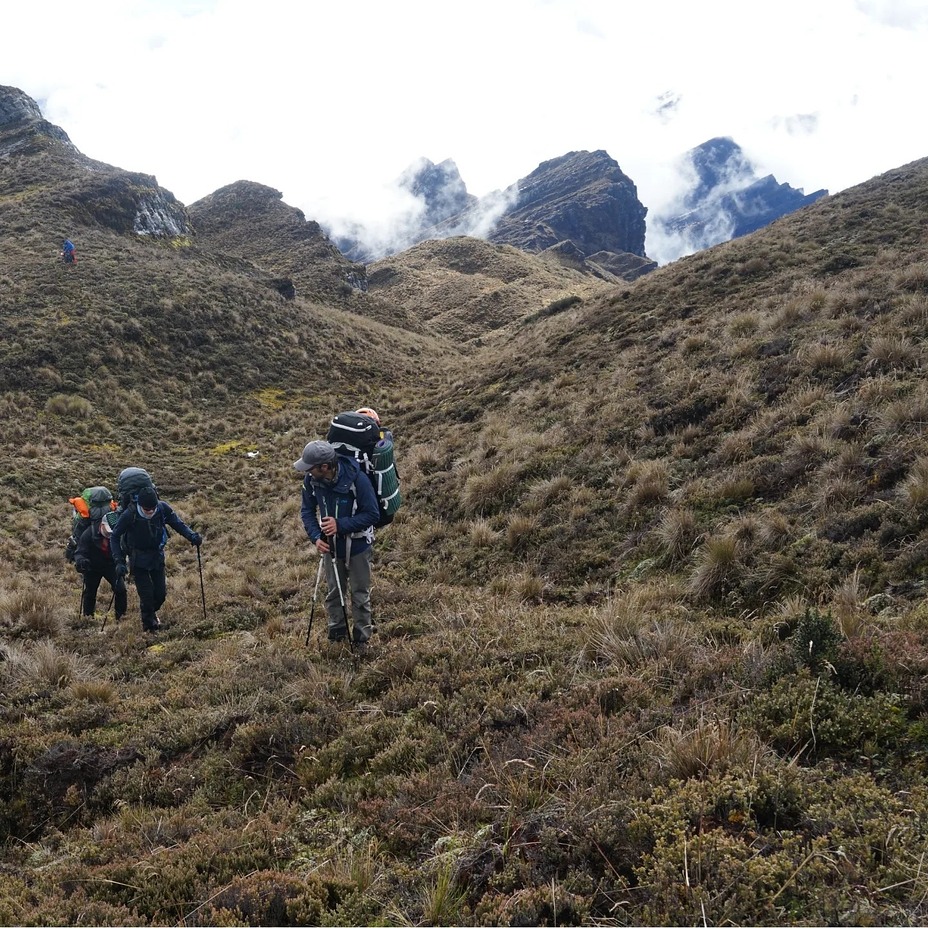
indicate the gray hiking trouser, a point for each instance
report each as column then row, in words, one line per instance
column 355, row 583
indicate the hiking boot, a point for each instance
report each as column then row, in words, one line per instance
column 362, row 649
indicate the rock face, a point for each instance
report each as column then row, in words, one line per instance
column 440, row 188
column 574, row 206
column 582, row 197
column 95, row 193
column 22, row 125
column 726, row 199
column 16, row 106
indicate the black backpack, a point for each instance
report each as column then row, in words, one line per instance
column 129, row 483
column 361, row 438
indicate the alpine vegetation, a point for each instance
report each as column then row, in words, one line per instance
column 612, row 615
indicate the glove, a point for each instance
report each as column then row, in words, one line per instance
column 80, row 564
column 196, row 539
column 121, row 571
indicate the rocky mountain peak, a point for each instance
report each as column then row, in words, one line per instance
column 582, row 196
column 439, row 187
column 16, row 106
column 22, row 123
column 251, row 220
column 718, row 164
column 726, row 200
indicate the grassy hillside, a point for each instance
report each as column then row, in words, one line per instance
column 468, row 289
column 651, row 645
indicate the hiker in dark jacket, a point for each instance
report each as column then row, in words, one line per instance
column 339, row 505
column 93, row 559
column 141, row 531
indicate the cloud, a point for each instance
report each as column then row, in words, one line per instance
column 330, row 102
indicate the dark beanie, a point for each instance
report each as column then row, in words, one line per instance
column 147, row 498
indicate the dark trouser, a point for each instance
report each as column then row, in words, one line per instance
column 355, row 583
column 92, row 578
column 151, row 586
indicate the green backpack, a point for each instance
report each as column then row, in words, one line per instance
column 88, row 509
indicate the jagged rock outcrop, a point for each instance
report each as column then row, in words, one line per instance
column 726, row 199
column 436, row 193
column 250, row 220
column 579, row 204
column 583, row 197
column 22, row 124
column 95, row 193
column 440, row 188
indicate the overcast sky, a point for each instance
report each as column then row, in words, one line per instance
column 330, row 101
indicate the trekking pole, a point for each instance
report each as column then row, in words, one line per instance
column 106, row 614
column 312, row 611
column 202, row 588
column 341, row 595
column 333, row 550
column 80, row 603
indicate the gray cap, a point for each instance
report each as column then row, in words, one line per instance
column 316, row 452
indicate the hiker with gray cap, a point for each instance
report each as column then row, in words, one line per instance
column 339, row 510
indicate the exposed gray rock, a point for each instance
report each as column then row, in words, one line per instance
column 22, row 124
column 583, row 197
column 157, row 215
column 726, row 200
column 16, row 106
column 440, row 188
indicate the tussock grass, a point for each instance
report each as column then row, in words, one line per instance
column 717, row 563
column 31, row 612
column 643, row 627
column 711, row 747
column 491, row 490
column 654, row 600
column 44, row 665
column 677, row 534
column 848, row 606
column 913, row 491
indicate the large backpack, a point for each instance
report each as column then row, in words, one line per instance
column 362, row 438
column 129, row 483
column 88, row 509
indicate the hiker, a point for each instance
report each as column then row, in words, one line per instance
column 141, row 530
column 339, row 511
column 67, row 252
column 94, row 560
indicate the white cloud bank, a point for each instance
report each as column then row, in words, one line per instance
column 329, row 103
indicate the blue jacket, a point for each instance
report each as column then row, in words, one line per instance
column 146, row 538
column 338, row 499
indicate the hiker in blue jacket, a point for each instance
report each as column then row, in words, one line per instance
column 339, row 506
column 141, row 531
